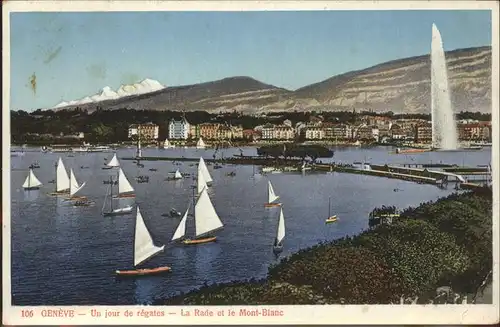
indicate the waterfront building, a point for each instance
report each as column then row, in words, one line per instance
column 397, row 132
column 423, row 132
column 148, row 131
column 224, row 132
column 366, row 132
column 474, row 131
column 283, row 132
column 314, row 133
column 209, row 131
column 179, row 129
column 340, row 132
column 267, row 132
column 237, row 131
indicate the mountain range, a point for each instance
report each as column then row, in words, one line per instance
column 401, row 86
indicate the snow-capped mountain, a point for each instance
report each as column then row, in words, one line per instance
column 107, row 93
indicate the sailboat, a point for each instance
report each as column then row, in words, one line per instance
column 62, row 179
column 144, row 249
column 112, row 163
column 280, row 234
column 206, row 220
column 330, row 218
column 168, row 145
column 177, row 176
column 202, row 168
column 200, row 181
column 200, row 144
column 74, row 187
column 31, row 182
column 272, row 197
column 124, row 186
column 112, row 211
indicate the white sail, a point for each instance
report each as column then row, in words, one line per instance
column 204, row 170
column 280, row 235
column 62, row 179
column 113, row 162
column 200, row 144
column 206, row 219
column 123, row 183
column 181, row 229
column 272, row 196
column 167, row 144
column 201, row 184
column 144, row 247
column 31, row 180
column 73, row 184
column 178, row 174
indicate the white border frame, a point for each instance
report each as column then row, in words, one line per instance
column 299, row 314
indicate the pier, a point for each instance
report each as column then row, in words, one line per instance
column 405, row 172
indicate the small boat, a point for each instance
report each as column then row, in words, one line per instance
column 217, row 166
column 330, row 219
column 125, row 189
column 206, row 221
column 62, row 179
column 84, row 167
column 174, row 213
column 200, row 144
column 83, row 203
column 177, row 176
column 153, row 169
column 168, row 145
column 113, row 211
column 280, row 234
column 231, row 174
column 144, row 249
column 142, row 179
column 31, row 182
column 267, row 169
column 74, row 187
column 272, row 197
column 34, row 165
column 112, row 163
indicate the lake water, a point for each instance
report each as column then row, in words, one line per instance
column 64, row 255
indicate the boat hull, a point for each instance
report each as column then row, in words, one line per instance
column 278, row 249
column 121, row 196
column 63, row 193
column 331, row 219
column 116, row 213
column 32, row 188
column 272, row 205
column 200, row 241
column 143, row 272
column 107, row 167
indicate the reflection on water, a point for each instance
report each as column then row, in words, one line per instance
column 65, row 255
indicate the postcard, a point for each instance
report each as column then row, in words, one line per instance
column 187, row 163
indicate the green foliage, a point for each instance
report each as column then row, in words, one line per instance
column 418, row 252
column 349, row 275
column 468, row 218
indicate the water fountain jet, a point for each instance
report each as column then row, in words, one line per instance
column 444, row 127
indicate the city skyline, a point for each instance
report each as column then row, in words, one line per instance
column 76, row 54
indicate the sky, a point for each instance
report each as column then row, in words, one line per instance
column 76, row 54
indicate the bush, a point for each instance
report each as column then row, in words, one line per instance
column 355, row 275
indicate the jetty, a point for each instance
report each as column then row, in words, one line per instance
column 407, row 172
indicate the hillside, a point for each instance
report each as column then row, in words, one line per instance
column 401, row 86
column 404, row 85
